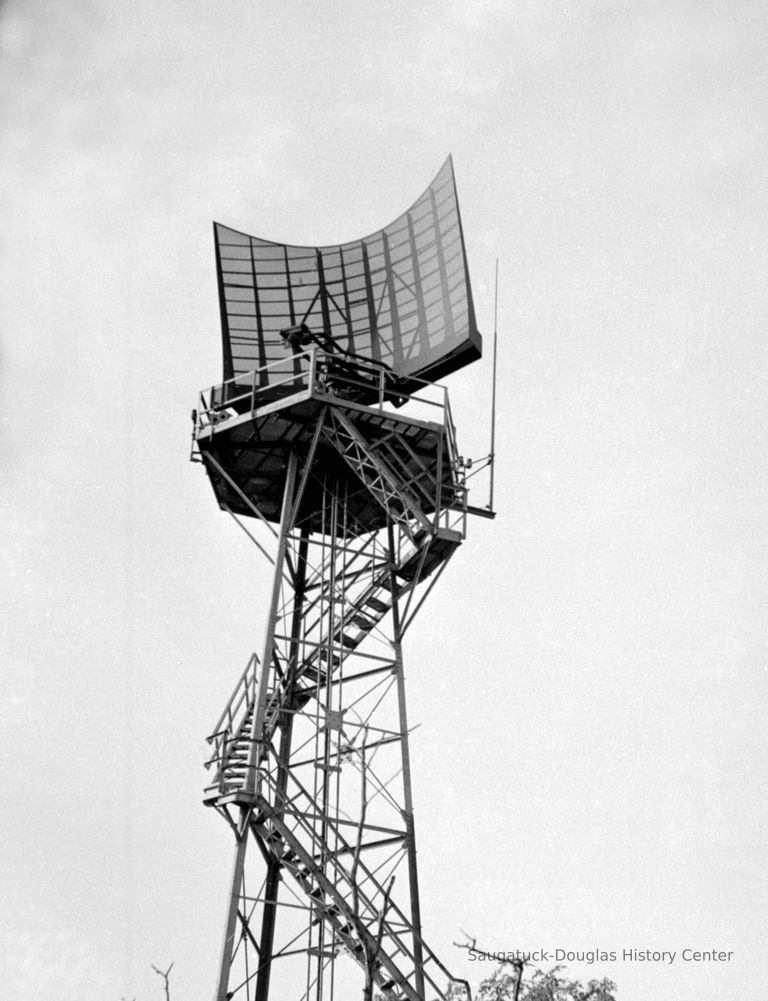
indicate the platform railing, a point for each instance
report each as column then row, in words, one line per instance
column 264, row 384
column 336, row 376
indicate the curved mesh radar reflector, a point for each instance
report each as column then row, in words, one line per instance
column 400, row 296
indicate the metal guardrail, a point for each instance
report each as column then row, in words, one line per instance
column 315, row 370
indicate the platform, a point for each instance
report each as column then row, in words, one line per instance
column 245, row 431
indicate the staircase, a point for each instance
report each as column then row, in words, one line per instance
column 232, row 739
column 286, row 833
column 370, row 461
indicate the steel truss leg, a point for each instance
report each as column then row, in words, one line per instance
column 257, row 723
column 285, row 724
column 410, row 840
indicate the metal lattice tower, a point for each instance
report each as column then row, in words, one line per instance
column 351, row 467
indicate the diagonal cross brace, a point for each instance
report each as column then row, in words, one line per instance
column 383, row 482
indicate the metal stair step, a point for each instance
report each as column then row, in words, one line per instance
column 377, row 605
column 362, row 620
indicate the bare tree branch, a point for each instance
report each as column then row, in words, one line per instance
column 165, row 975
column 515, row 962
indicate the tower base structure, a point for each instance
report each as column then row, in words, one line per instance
column 362, row 494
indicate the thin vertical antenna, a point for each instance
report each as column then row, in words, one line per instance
column 492, row 456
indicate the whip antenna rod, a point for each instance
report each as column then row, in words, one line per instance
column 492, row 455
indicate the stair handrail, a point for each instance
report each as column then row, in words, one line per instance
column 244, row 691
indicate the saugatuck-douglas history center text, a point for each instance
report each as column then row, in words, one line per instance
column 591, row 956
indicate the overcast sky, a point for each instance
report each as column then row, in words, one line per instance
column 590, row 674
